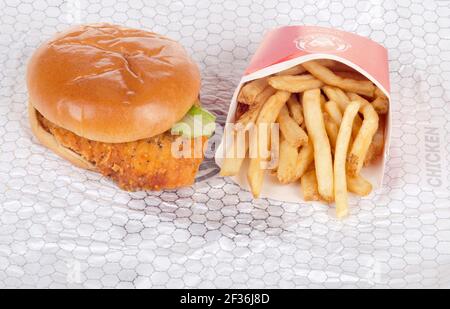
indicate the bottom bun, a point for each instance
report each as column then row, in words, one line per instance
column 49, row 141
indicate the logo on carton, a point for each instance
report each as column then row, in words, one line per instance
column 321, row 42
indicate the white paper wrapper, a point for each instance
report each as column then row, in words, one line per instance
column 64, row 227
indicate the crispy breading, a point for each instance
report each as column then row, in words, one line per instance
column 140, row 165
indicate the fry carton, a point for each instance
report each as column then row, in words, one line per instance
column 286, row 47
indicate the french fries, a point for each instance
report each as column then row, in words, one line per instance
column 251, row 90
column 249, row 117
column 233, row 159
column 297, row 70
column 340, row 156
column 267, row 116
column 264, row 96
column 355, row 97
column 358, row 185
column 357, row 155
column 328, row 77
column 323, row 100
column 332, row 130
column 379, row 93
column 255, row 176
column 333, row 110
column 335, row 66
column 380, row 105
column 297, row 83
column 304, row 159
column 337, row 95
column 351, row 74
column 295, row 109
column 287, row 162
column 376, row 147
column 290, row 129
column 327, row 63
column 309, row 186
column 322, row 150
column 331, row 120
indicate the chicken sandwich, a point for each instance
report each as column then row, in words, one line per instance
column 114, row 100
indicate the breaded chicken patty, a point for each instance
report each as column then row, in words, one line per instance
column 140, row 165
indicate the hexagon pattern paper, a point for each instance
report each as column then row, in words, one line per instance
column 65, row 227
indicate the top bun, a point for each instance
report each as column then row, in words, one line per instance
column 112, row 84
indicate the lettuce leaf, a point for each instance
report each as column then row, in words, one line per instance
column 197, row 122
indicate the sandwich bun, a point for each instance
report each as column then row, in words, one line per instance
column 110, row 84
column 49, row 141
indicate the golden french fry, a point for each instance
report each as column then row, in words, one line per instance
column 290, row 129
column 358, row 122
column 296, row 70
column 337, row 95
column 381, row 105
column 267, row 116
column 295, row 83
column 322, row 150
column 249, row 116
column 241, row 109
column 309, row 186
column 251, row 90
column 295, row 108
column 327, row 63
column 358, row 185
column 350, row 74
column 379, row 93
column 274, row 154
column 335, row 66
column 377, row 145
column 234, row 159
column 252, row 113
column 357, row 155
column 264, row 96
column 255, row 176
column 323, row 100
column 290, row 78
column 287, row 162
column 332, row 130
column 235, row 154
column 332, row 108
column 304, row 159
column 340, row 156
column 354, row 97
column 328, row 77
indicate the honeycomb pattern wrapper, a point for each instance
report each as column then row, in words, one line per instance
column 286, row 47
column 63, row 227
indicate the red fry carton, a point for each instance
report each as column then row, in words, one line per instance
column 289, row 46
